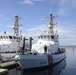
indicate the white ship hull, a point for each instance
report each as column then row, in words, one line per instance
column 57, row 57
column 32, row 61
column 38, row 61
column 50, row 71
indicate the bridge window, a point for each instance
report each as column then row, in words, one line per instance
column 44, row 36
column 14, row 37
column 41, row 37
column 52, row 37
column 10, row 37
column 1, row 37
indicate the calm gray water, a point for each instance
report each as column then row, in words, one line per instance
column 66, row 67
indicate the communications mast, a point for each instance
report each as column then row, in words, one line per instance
column 51, row 25
column 16, row 25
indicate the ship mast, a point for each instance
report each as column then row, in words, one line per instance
column 51, row 25
column 16, row 26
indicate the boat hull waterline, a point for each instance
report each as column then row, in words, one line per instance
column 38, row 61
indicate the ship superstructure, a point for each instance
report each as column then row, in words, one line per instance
column 11, row 43
column 50, row 39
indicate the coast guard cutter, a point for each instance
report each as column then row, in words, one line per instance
column 45, row 52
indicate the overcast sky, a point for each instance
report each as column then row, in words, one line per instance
column 33, row 12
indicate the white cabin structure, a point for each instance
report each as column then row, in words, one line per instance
column 10, row 43
column 51, row 40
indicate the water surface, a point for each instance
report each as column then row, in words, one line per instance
column 66, row 67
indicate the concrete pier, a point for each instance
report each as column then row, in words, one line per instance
column 3, row 71
column 9, row 65
column 6, row 66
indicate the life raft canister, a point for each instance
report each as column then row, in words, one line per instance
column 49, row 59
